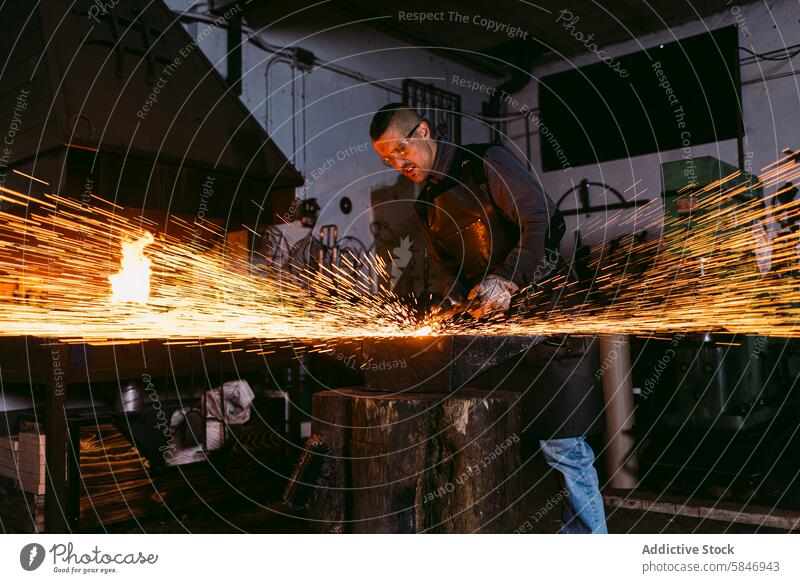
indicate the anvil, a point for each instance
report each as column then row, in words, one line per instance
column 436, row 363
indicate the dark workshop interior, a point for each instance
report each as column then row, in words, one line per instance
column 566, row 302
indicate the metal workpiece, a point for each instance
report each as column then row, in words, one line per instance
column 439, row 364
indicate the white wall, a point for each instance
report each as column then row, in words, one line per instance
column 339, row 108
column 771, row 112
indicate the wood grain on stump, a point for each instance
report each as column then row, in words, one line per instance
column 417, row 462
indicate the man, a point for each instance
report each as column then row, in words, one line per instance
column 493, row 231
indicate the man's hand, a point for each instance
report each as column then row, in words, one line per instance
column 492, row 295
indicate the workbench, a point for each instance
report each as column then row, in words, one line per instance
column 49, row 368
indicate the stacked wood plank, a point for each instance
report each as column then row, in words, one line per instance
column 32, row 462
column 22, row 460
column 22, row 483
column 9, row 452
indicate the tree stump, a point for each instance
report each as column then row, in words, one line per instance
column 417, row 462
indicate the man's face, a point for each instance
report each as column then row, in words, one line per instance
column 412, row 157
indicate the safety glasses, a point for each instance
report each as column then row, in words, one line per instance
column 399, row 150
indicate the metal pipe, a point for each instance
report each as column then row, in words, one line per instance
column 621, row 463
column 303, row 103
column 740, row 129
column 280, row 58
column 294, row 113
column 254, row 37
column 276, row 58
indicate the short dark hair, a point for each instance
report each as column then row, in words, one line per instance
column 382, row 118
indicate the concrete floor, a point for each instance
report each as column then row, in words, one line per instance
column 236, row 516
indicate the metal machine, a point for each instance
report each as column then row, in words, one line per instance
column 709, row 403
column 719, row 382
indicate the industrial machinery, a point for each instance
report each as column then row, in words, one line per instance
column 720, row 382
column 682, row 188
column 707, row 402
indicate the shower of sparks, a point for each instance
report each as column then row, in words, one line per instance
column 89, row 274
column 59, row 261
column 703, row 278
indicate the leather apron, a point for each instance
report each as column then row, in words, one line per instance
column 559, row 379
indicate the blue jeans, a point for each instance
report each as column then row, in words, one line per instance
column 582, row 507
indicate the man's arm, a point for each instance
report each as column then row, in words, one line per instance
column 523, row 200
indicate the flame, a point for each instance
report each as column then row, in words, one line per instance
column 132, row 283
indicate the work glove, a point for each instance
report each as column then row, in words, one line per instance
column 492, row 295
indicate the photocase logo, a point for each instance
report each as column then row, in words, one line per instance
column 401, row 256
column 31, row 556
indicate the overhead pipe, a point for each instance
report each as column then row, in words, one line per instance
column 280, row 58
